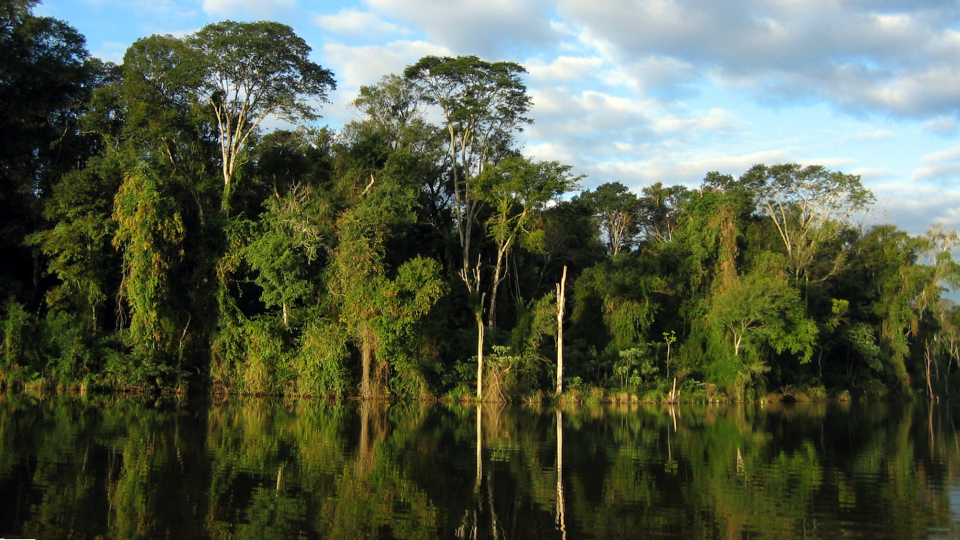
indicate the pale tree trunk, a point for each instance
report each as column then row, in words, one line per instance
column 479, row 447
column 561, row 303
column 561, row 503
column 364, row 453
column 480, row 353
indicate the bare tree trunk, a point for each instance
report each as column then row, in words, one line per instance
column 365, row 451
column 561, row 304
column 479, row 356
column 479, row 446
column 561, row 503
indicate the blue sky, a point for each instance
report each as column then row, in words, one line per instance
column 643, row 91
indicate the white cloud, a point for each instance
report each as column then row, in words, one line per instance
column 715, row 121
column 563, row 69
column 257, row 8
column 876, row 135
column 943, row 126
column 492, row 29
column 948, row 154
column 689, row 171
column 356, row 23
column 358, row 66
column 893, row 57
column 914, row 207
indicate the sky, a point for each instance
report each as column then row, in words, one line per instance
column 645, row 91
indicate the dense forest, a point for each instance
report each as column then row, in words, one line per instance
column 154, row 236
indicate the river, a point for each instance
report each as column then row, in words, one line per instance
column 113, row 467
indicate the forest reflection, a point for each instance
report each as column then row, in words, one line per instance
column 124, row 468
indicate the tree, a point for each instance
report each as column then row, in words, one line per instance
column 517, row 189
column 395, row 107
column 45, row 80
column 77, row 246
column 482, row 103
column 150, row 233
column 561, row 307
column 292, row 234
column 763, row 310
column 659, row 210
column 759, row 312
column 892, row 282
column 942, row 273
column 808, row 206
column 615, row 208
column 249, row 71
column 378, row 311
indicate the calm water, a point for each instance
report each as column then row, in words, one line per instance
column 121, row 468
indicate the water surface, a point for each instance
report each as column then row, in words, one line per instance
column 127, row 468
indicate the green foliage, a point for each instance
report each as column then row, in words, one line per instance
column 72, row 352
column 150, row 228
column 45, row 78
column 860, row 337
column 763, row 310
column 509, row 374
column 18, row 339
column 633, row 367
column 808, row 206
column 615, row 209
column 150, row 233
column 78, row 246
column 295, row 231
column 320, row 363
column 623, row 294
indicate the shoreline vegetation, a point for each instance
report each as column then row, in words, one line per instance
column 156, row 239
column 592, row 396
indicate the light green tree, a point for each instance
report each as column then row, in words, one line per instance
column 761, row 310
column 809, row 206
column 377, row 310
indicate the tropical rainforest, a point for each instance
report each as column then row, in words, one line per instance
column 182, row 221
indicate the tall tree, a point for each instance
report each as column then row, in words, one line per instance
column 659, row 209
column 808, row 206
column 483, row 104
column 377, row 310
column 396, row 107
column 616, row 209
column 150, row 233
column 249, row 71
column 45, row 79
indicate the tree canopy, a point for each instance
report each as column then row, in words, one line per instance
column 156, row 236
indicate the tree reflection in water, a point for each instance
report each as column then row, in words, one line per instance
column 129, row 468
